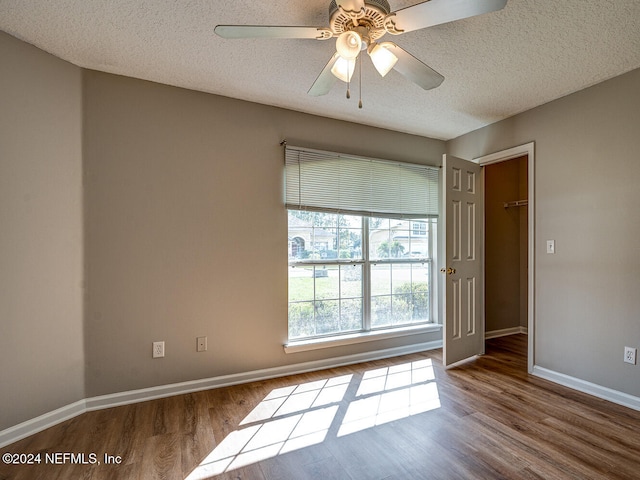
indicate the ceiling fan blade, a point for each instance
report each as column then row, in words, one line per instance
column 272, row 31
column 413, row 69
column 436, row 12
column 353, row 6
column 325, row 80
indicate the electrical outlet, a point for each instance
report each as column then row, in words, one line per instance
column 201, row 344
column 158, row 349
column 630, row 355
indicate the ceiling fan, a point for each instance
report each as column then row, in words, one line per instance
column 359, row 24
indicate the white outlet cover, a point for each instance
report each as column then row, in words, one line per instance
column 630, row 355
column 158, row 350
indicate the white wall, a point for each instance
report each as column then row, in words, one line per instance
column 587, row 152
column 41, row 305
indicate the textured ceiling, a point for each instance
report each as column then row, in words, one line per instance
column 495, row 65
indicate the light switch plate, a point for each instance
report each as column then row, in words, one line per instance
column 551, row 246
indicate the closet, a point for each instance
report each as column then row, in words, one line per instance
column 506, row 247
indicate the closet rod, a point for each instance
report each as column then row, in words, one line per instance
column 517, row 203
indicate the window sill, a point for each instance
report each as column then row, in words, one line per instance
column 360, row 337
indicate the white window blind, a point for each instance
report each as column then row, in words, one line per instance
column 335, row 182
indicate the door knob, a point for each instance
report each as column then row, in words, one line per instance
column 448, row 271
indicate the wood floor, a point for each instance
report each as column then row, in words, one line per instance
column 402, row 418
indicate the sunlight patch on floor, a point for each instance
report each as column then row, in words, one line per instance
column 387, row 407
column 299, row 416
column 298, row 398
column 266, row 440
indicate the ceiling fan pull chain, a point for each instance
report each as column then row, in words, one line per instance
column 360, row 102
column 348, row 80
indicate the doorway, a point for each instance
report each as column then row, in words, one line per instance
column 509, row 243
column 505, row 247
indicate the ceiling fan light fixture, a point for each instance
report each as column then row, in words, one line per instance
column 349, row 45
column 383, row 59
column 343, row 68
column 358, row 24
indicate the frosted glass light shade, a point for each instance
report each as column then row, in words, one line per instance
column 349, row 45
column 383, row 59
column 343, row 69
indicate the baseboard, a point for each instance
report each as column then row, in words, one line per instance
column 134, row 396
column 30, row 427
column 42, row 422
column 599, row 391
column 504, row 332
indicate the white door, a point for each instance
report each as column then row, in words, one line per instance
column 463, row 269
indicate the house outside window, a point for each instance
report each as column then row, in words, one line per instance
column 419, row 228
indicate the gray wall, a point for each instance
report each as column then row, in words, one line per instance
column 41, row 316
column 587, row 152
column 187, row 231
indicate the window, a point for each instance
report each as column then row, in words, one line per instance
column 419, row 228
column 400, row 273
column 361, row 242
